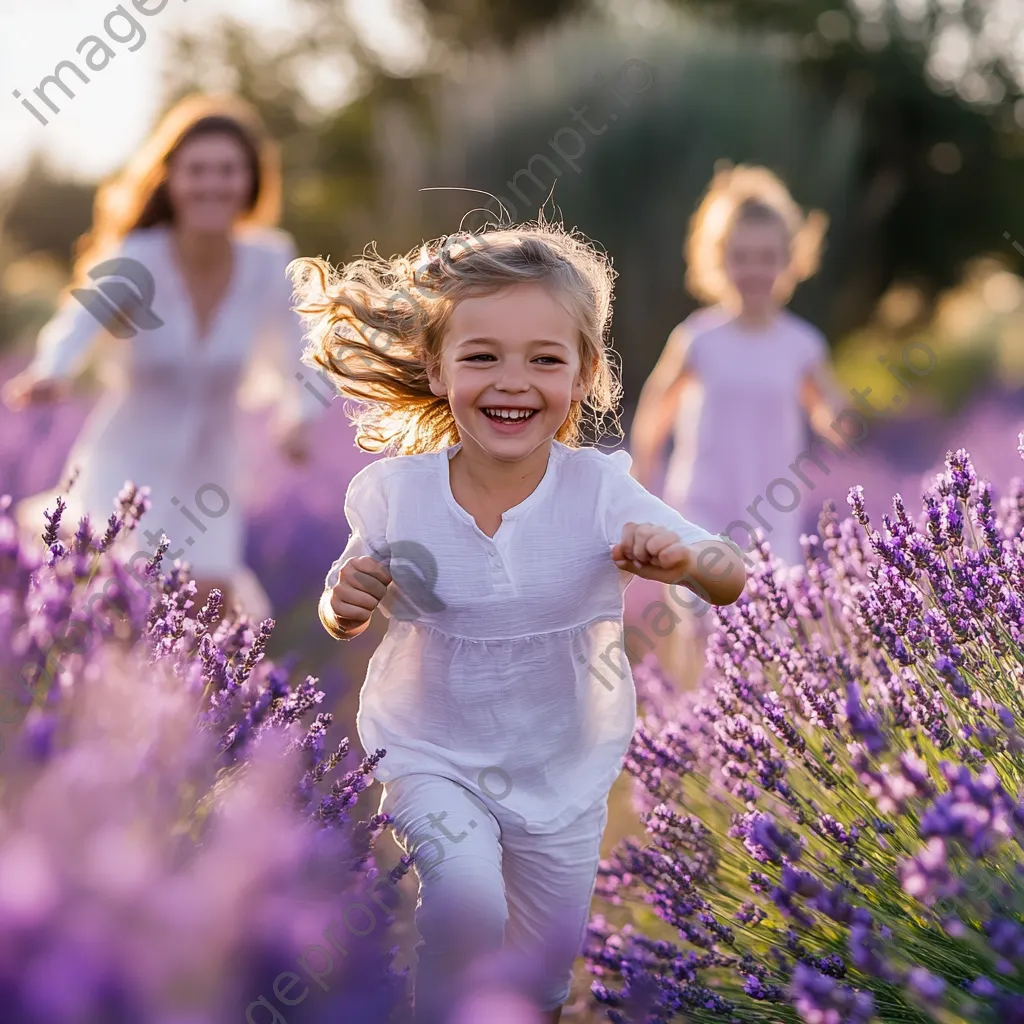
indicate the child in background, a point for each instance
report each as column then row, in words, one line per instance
column 501, row 690
column 737, row 377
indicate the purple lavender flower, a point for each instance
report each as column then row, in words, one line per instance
column 928, row 986
column 822, row 1000
column 961, row 473
column 951, row 675
column 927, row 876
column 864, row 726
column 162, row 836
column 766, row 841
column 867, row 953
column 877, row 863
column 856, row 502
column 800, row 883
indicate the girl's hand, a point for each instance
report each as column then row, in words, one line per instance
column 653, row 552
column 361, row 586
column 27, row 389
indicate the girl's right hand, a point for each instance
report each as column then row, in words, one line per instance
column 27, row 389
column 361, row 586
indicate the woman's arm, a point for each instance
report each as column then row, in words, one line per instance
column 656, row 409
column 62, row 347
column 65, row 343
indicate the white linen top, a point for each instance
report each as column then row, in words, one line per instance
column 169, row 417
column 503, row 666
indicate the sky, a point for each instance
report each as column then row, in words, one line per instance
column 96, row 131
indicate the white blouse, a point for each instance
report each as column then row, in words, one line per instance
column 169, row 417
column 503, row 666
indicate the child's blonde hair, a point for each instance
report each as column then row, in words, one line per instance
column 742, row 194
column 375, row 325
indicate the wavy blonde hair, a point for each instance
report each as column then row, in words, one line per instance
column 743, row 194
column 137, row 196
column 374, row 326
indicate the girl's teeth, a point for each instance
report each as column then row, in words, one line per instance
column 512, row 416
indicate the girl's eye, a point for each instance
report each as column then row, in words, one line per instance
column 547, row 360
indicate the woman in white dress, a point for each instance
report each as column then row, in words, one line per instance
column 189, row 225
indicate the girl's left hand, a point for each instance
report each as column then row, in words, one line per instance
column 653, row 552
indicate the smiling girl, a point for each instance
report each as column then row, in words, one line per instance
column 737, row 379
column 477, row 361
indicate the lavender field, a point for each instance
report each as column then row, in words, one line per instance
column 835, row 820
column 829, row 829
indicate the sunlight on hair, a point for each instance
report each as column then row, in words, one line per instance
column 734, row 192
column 374, row 325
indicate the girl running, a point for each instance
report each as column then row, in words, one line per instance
column 737, row 377
column 498, row 547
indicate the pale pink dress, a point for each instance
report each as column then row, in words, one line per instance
column 739, row 429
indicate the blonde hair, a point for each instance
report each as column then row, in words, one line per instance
column 137, row 197
column 375, row 325
column 743, row 194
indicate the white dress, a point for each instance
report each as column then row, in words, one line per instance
column 503, row 666
column 739, row 431
column 169, row 414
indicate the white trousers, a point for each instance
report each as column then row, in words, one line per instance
column 487, row 884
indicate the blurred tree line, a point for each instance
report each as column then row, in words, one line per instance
column 901, row 120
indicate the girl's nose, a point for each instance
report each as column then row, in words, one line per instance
column 513, row 378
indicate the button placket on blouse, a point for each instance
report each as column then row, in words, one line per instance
column 496, row 557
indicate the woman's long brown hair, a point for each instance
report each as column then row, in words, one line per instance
column 137, row 197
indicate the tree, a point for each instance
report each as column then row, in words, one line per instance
column 480, row 23
column 942, row 149
column 938, row 87
column 44, row 213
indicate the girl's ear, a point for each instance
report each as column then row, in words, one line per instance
column 581, row 386
column 437, row 384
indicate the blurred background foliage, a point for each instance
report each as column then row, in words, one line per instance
column 899, row 118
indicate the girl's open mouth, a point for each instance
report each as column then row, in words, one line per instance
column 509, row 421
